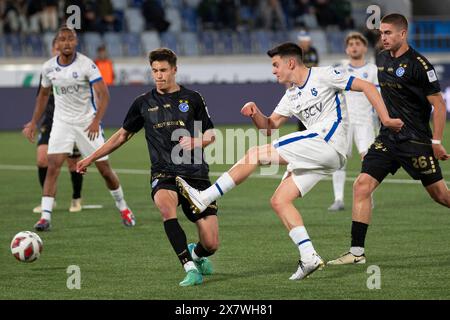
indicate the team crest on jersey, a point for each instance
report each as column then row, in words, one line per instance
column 365, row 75
column 400, row 71
column 335, row 71
column 57, row 69
column 184, row 106
column 94, row 66
column 314, row 92
column 74, row 74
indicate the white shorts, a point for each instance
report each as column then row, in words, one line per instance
column 64, row 136
column 363, row 135
column 310, row 158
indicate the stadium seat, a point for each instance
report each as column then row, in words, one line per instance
column 319, row 41
column 189, row 18
column 2, row 47
column 169, row 40
column 207, row 42
column 244, row 43
column 14, row 45
column 132, row 44
column 174, row 17
column 34, row 45
column 335, row 40
column 260, row 41
column 134, row 20
column 47, row 40
column 114, row 45
column 226, row 43
column 91, row 41
column 150, row 41
column 189, row 44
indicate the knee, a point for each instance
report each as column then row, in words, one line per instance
column 167, row 212
column 276, row 202
column 361, row 188
column 442, row 197
column 211, row 245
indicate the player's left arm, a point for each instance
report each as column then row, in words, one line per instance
column 439, row 120
column 102, row 99
column 377, row 102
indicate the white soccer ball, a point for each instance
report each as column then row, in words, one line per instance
column 26, row 246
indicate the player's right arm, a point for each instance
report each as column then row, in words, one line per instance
column 377, row 102
column 29, row 128
column 260, row 120
column 116, row 141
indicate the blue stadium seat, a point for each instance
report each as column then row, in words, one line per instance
column 150, row 41
column 134, row 20
column 227, row 43
column 91, row 41
column 335, row 40
column 189, row 44
column 169, row 40
column 2, row 47
column 244, row 42
column 113, row 42
column 260, row 41
column 189, row 19
column 207, row 42
column 132, row 44
column 35, row 45
column 14, row 44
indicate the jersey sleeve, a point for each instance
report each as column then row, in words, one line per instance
column 337, row 78
column 202, row 114
column 134, row 121
column 45, row 81
column 426, row 76
column 92, row 72
column 284, row 107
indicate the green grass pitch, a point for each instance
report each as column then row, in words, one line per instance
column 408, row 239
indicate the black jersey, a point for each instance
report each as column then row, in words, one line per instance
column 161, row 115
column 405, row 83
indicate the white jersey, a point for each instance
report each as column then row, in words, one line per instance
column 72, row 88
column 359, row 108
column 320, row 105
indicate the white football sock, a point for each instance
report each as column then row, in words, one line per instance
column 224, row 184
column 338, row 185
column 188, row 266
column 119, row 198
column 47, row 207
column 301, row 239
column 357, row 251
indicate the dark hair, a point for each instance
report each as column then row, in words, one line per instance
column 65, row 27
column 287, row 49
column 355, row 36
column 396, row 19
column 163, row 54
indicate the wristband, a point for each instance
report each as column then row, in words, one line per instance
column 435, row 141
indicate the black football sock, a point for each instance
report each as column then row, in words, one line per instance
column 177, row 239
column 202, row 252
column 42, row 172
column 359, row 231
column 77, row 183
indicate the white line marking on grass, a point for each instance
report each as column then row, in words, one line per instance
column 213, row 174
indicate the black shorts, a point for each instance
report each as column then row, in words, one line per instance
column 416, row 158
column 169, row 183
column 44, row 136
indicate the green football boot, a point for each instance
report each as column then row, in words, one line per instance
column 193, row 277
column 203, row 265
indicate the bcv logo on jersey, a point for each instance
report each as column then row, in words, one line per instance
column 66, row 90
column 312, row 111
